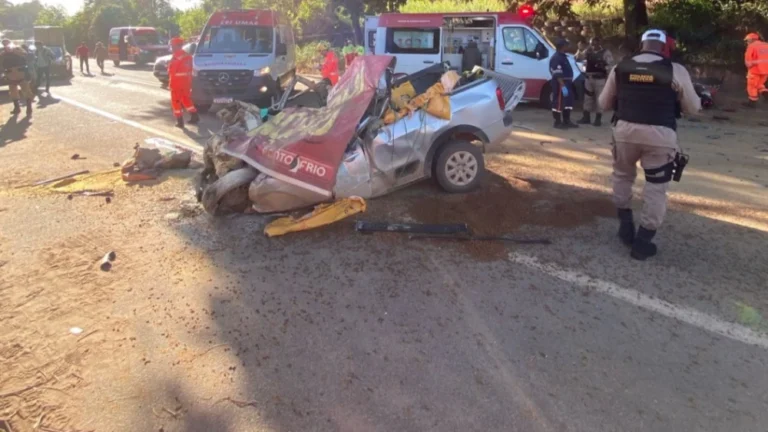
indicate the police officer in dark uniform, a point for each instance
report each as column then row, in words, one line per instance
column 598, row 60
column 648, row 92
column 562, row 87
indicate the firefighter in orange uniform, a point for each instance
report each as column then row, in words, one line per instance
column 756, row 60
column 180, row 83
column 330, row 68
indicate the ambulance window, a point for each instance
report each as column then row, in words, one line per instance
column 521, row 41
column 114, row 37
column 413, row 41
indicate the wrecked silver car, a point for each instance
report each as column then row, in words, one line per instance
column 374, row 135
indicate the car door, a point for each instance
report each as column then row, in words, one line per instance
column 414, row 48
column 522, row 54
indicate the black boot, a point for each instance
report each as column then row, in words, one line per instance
column 567, row 120
column 180, row 122
column 558, row 120
column 29, row 108
column 626, row 226
column 643, row 248
column 585, row 119
column 749, row 104
column 194, row 118
column 16, row 108
column 598, row 120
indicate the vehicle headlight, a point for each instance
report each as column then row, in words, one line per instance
column 263, row 71
column 194, row 72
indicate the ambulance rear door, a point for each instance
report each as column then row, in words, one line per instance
column 414, row 39
column 523, row 53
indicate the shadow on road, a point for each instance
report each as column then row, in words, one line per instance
column 333, row 330
column 15, row 129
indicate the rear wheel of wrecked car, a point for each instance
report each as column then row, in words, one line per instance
column 460, row 167
column 203, row 108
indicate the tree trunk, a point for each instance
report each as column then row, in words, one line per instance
column 357, row 30
column 635, row 18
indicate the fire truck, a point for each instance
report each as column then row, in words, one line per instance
column 507, row 40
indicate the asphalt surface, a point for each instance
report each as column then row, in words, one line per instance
column 334, row 331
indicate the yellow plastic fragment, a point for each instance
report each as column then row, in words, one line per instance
column 323, row 214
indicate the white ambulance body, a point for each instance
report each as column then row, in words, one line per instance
column 508, row 42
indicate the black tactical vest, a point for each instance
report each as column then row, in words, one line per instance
column 596, row 63
column 645, row 93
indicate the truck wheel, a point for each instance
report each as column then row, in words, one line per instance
column 116, row 63
column 460, row 167
column 545, row 99
column 203, row 108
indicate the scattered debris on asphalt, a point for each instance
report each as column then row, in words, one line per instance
column 106, row 261
column 413, row 228
column 149, row 163
column 76, row 156
column 504, row 238
column 323, row 214
column 56, row 179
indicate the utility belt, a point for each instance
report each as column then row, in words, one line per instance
column 672, row 171
column 597, row 75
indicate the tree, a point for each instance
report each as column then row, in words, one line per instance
column 52, row 16
column 192, row 21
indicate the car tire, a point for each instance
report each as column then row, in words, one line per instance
column 545, row 98
column 203, row 108
column 116, row 63
column 460, row 167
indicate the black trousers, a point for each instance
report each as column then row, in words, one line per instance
column 84, row 60
column 44, row 76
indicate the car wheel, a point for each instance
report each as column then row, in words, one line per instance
column 545, row 99
column 460, row 167
column 116, row 63
column 203, row 108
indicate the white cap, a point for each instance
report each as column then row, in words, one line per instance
column 654, row 35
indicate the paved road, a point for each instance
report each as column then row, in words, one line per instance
column 206, row 325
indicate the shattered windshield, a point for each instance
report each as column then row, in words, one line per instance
column 236, row 39
column 146, row 38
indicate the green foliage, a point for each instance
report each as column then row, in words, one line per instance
column 603, row 10
column 434, row 6
column 192, row 21
column 52, row 16
column 19, row 16
column 298, row 12
column 711, row 30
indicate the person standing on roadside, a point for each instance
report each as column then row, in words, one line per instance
column 756, row 61
column 180, row 83
column 599, row 60
column 330, row 67
column 82, row 53
column 562, row 87
column 14, row 64
column 100, row 52
column 648, row 93
column 45, row 58
column 31, row 68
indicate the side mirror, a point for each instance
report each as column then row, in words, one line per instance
column 281, row 49
column 192, row 48
column 541, row 51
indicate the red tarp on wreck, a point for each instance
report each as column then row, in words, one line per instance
column 304, row 146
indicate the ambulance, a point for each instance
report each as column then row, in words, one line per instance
column 246, row 55
column 507, row 40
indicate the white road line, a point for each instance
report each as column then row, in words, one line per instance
column 182, row 142
column 681, row 313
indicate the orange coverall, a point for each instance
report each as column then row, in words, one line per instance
column 180, row 83
column 756, row 60
column 330, row 67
